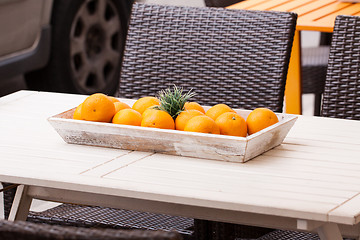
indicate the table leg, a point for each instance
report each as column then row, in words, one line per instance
column 293, row 81
column 21, row 205
column 329, row 231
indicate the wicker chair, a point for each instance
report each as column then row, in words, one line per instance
column 102, row 217
column 235, row 57
column 341, row 97
column 21, row 230
column 313, row 61
column 342, row 87
column 220, row 3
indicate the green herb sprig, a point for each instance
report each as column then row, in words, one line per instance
column 173, row 100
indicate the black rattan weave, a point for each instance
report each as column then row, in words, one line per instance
column 8, row 196
column 102, row 217
column 341, row 97
column 20, row 230
column 220, row 3
column 289, row 235
column 233, row 231
column 92, row 216
column 236, row 57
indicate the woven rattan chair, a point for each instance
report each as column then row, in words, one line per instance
column 226, row 56
column 103, row 217
column 341, row 97
column 235, row 57
column 21, row 230
column 220, row 3
column 313, row 61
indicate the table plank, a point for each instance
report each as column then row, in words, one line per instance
column 291, row 6
column 246, row 4
column 15, row 96
column 305, row 12
column 116, row 164
column 267, row 5
column 204, row 183
column 345, row 212
column 348, row 10
column 324, row 9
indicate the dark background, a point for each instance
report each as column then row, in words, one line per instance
column 11, row 85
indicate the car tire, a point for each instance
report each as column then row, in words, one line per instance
column 87, row 43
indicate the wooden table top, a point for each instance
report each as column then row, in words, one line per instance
column 313, row 15
column 313, row 175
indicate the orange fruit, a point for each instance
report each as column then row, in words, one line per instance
column 203, row 124
column 145, row 102
column 113, row 99
column 232, row 124
column 195, row 106
column 77, row 113
column 259, row 119
column 158, row 119
column 127, row 116
column 215, row 111
column 184, row 117
column 148, row 111
column 97, row 107
column 120, row 106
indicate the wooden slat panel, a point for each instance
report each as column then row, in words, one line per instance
column 316, row 143
column 314, row 15
column 268, row 5
column 328, row 150
column 164, row 192
column 346, row 211
column 229, row 187
column 259, row 186
column 268, row 167
column 323, row 10
column 116, row 164
column 291, row 6
column 81, row 158
column 327, row 157
column 350, row 10
column 331, row 129
column 246, row 4
column 15, row 96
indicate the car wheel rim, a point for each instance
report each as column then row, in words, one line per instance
column 94, row 45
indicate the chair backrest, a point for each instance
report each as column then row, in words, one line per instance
column 237, row 57
column 341, row 98
column 220, row 3
column 21, row 230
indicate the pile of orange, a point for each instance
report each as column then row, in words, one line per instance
column 218, row 119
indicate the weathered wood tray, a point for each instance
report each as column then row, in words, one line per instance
column 208, row 146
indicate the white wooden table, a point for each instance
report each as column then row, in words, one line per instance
column 311, row 182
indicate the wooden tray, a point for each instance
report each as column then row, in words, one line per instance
column 201, row 145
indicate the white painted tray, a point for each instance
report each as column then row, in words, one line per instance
column 201, row 145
